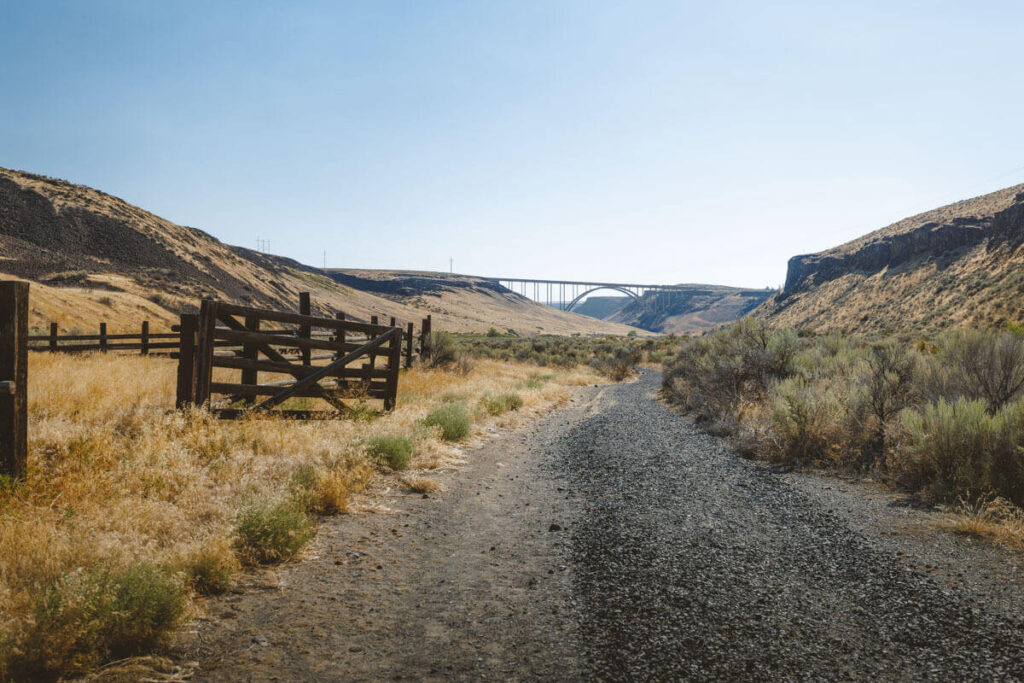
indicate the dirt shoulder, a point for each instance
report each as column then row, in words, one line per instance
column 467, row 583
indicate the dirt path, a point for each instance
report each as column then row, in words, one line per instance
column 612, row 540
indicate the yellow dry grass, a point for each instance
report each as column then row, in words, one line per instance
column 993, row 519
column 116, row 478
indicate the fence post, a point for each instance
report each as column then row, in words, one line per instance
column 53, row 336
column 340, row 336
column 305, row 308
column 425, row 349
column 392, row 321
column 408, row 345
column 373, row 355
column 145, row 337
column 204, row 350
column 394, row 360
column 13, row 378
column 251, row 352
column 103, row 337
column 186, row 359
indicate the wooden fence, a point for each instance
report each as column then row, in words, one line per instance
column 13, row 378
column 143, row 342
column 202, row 345
column 146, row 341
column 203, row 340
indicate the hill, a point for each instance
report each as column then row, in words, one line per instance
column 95, row 257
column 696, row 309
column 961, row 264
column 601, row 307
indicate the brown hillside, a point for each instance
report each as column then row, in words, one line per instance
column 694, row 310
column 95, row 257
column 961, row 264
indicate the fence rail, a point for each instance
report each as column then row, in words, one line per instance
column 144, row 341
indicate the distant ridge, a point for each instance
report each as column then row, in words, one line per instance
column 961, row 264
column 95, row 257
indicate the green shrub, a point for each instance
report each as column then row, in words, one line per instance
column 452, row 418
column 266, row 533
column 394, row 451
column 88, row 617
column 442, row 350
column 502, row 403
column 807, row 423
column 978, row 364
column 959, row 449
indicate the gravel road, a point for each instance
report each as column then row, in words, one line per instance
column 612, row 540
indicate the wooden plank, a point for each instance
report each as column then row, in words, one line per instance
column 425, row 330
column 373, row 356
column 238, row 327
column 265, row 340
column 340, row 332
column 313, row 391
column 204, row 354
column 235, row 414
column 251, row 352
column 408, row 345
column 320, row 373
column 394, row 361
column 45, row 338
column 186, row 360
column 250, row 364
column 296, row 319
column 305, row 308
column 80, row 348
column 14, row 370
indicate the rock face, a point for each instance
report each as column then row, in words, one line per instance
column 962, row 260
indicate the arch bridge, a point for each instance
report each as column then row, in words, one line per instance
column 567, row 294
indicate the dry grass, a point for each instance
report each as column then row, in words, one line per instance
column 117, row 481
column 993, row 519
column 421, row 484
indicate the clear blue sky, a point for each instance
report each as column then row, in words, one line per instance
column 643, row 141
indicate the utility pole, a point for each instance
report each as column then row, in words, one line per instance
column 451, row 265
column 325, row 259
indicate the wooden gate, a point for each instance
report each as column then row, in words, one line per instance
column 253, row 341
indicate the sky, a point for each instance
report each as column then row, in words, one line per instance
column 646, row 141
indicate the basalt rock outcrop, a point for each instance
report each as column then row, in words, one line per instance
column 955, row 265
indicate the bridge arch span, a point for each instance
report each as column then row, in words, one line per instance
column 581, row 297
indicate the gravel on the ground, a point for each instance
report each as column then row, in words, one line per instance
column 613, row 540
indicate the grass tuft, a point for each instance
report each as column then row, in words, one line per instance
column 394, row 451
column 268, row 533
column 452, row 418
column 502, row 403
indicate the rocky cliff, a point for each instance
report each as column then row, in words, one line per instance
column 958, row 264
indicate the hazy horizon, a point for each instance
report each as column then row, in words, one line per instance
column 660, row 142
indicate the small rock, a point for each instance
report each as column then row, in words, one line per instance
column 554, row 527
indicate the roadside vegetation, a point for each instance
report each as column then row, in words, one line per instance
column 131, row 512
column 613, row 357
column 941, row 418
